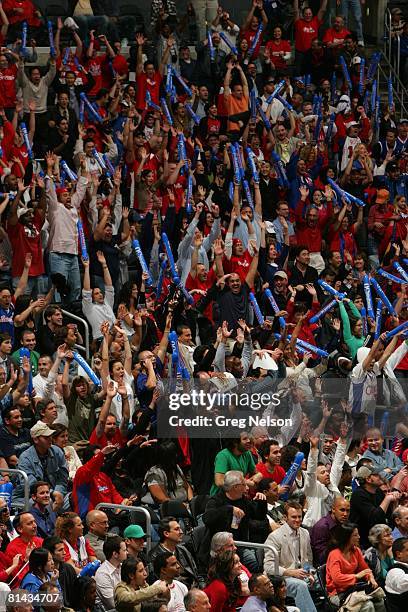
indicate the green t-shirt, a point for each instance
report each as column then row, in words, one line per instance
column 34, row 357
column 226, row 461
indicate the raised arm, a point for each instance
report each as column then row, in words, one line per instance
column 4, row 21
column 250, row 277
column 322, row 10
column 140, row 39
column 244, row 81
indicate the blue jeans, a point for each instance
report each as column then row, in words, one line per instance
column 299, row 591
column 68, row 266
column 37, row 285
column 355, row 7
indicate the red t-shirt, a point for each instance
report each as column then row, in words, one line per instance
column 8, row 86
column 332, row 36
column 195, row 283
column 95, row 68
column 18, row 546
column 277, row 474
column 276, row 48
column 238, row 265
column 27, row 14
column 343, row 241
column 103, row 440
column 24, row 241
column 143, row 84
column 249, row 36
column 305, row 32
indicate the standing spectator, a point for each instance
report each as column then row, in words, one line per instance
column 63, row 237
column 306, row 30
column 355, row 7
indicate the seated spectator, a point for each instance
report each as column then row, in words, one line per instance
column 380, row 456
column 224, row 589
column 92, row 486
column 98, row 527
column 14, row 438
column 27, row 539
column 133, row 588
column 346, row 566
column 108, row 575
column 400, row 522
column 280, row 601
column 236, row 456
column 67, row 576
column 396, row 584
column 171, row 538
column 321, row 531
column 84, row 599
column 271, row 453
column 41, row 569
column 261, row 590
column 42, row 509
column 230, row 510
column 165, row 480
column 369, row 505
column 379, row 555
column 44, row 461
column 78, row 552
column 283, row 540
column 60, row 439
column 135, row 539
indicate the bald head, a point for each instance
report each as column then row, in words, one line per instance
column 97, row 522
column 340, row 510
column 197, row 601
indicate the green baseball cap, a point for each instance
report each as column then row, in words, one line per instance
column 134, row 531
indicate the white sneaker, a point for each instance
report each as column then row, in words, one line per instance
column 70, row 23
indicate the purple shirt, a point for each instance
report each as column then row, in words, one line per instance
column 319, row 538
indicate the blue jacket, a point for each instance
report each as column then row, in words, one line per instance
column 56, row 472
column 32, row 583
column 385, row 459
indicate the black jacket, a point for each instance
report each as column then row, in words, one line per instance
column 365, row 511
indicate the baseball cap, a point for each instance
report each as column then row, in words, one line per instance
column 22, row 211
column 382, row 196
column 41, row 429
column 362, row 353
column 281, row 274
column 134, row 531
column 396, row 11
column 367, row 470
column 403, row 120
column 270, row 228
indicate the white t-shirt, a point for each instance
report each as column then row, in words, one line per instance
column 363, row 389
column 178, row 591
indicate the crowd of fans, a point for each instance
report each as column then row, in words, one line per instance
column 232, row 218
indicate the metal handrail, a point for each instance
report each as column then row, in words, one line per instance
column 26, row 484
column 392, row 57
column 130, row 509
column 86, row 327
column 263, row 547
